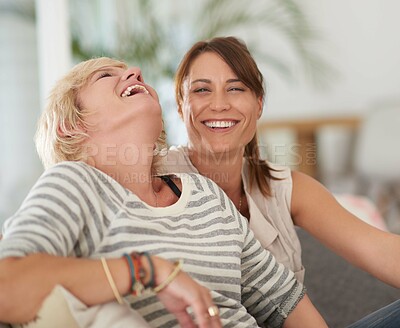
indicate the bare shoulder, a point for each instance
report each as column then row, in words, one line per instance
column 306, row 187
column 310, row 197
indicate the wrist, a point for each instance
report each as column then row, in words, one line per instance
column 149, row 267
column 162, row 268
column 115, row 275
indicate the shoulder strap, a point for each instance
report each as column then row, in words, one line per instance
column 172, row 185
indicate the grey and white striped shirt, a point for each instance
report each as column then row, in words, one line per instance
column 77, row 210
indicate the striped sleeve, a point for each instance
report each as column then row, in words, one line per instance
column 60, row 209
column 269, row 290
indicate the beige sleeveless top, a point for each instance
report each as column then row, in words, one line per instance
column 270, row 217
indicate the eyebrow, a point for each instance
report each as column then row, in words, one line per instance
column 209, row 81
column 97, row 71
column 111, row 68
column 105, row 68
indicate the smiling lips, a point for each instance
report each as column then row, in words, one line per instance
column 133, row 90
column 220, row 124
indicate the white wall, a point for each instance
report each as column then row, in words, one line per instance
column 19, row 110
column 30, row 62
column 361, row 40
column 53, row 43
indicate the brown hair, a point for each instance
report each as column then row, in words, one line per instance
column 236, row 54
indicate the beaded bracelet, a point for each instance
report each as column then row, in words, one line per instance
column 140, row 274
column 137, row 274
column 134, row 264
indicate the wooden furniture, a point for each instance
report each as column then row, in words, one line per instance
column 306, row 131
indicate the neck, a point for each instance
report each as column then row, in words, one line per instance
column 136, row 176
column 225, row 169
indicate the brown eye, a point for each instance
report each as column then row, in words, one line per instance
column 200, row 90
column 236, row 89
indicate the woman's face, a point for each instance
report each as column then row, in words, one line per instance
column 123, row 113
column 220, row 112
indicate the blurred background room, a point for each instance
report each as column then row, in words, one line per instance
column 332, row 71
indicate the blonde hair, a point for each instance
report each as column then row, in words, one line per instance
column 236, row 54
column 61, row 128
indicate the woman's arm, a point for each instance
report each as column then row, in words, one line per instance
column 317, row 211
column 25, row 283
column 304, row 315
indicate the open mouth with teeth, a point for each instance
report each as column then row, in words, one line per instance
column 220, row 124
column 134, row 90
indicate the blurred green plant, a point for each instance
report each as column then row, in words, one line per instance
column 155, row 41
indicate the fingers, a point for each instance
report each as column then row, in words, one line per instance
column 215, row 320
column 210, row 318
column 199, row 299
column 213, row 311
column 185, row 320
column 183, row 292
column 206, row 312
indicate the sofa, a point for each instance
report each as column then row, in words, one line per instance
column 341, row 292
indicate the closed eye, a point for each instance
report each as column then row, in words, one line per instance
column 102, row 75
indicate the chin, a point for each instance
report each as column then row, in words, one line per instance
column 219, row 148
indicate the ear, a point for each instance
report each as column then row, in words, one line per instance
column 260, row 106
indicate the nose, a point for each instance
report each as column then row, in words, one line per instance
column 133, row 72
column 219, row 102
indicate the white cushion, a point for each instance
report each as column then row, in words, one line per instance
column 61, row 309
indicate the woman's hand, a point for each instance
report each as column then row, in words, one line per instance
column 184, row 292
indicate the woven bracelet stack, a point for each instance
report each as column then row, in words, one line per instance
column 137, row 275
